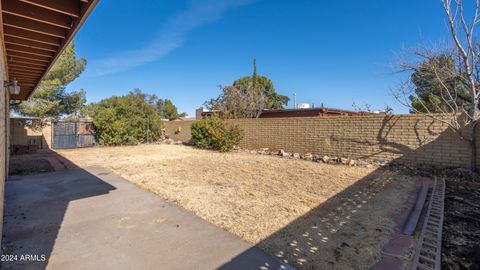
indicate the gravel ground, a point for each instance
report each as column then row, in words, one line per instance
column 310, row 215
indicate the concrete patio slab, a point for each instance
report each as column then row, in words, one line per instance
column 92, row 219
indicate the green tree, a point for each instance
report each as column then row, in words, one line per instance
column 247, row 97
column 438, row 85
column 240, row 101
column 265, row 86
column 51, row 99
column 167, row 110
column 126, row 120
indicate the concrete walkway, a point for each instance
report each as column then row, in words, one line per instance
column 93, row 219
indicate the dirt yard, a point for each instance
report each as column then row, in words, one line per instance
column 310, row 215
column 461, row 233
column 28, row 164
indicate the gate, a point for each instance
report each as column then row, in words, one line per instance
column 73, row 134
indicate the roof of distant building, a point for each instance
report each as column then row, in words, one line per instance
column 308, row 112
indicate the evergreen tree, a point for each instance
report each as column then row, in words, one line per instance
column 167, row 110
column 265, row 87
column 431, row 79
column 254, row 75
column 51, row 99
column 247, row 96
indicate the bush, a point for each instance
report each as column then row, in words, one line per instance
column 125, row 120
column 215, row 133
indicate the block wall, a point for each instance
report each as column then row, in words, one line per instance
column 179, row 130
column 30, row 131
column 416, row 139
column 408, row 138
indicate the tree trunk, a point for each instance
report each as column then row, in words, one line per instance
column 473, row 145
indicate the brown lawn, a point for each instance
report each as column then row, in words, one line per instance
column 308, row 214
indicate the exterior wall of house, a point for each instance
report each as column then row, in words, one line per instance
column 4, row 127
column 416, row 139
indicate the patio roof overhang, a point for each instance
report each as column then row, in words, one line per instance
column 35, row 32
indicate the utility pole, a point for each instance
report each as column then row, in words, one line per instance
column 148, row 130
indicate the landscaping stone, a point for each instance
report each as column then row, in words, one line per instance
column 389, row 262
column 282, row 153
column 399, row 245
column 312, row 157
column 333, row 160
column 347, row 243
column 362, row 162
column 308, row 156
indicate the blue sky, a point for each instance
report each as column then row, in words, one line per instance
column 330, row 52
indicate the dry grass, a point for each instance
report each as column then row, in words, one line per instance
column 268, row 200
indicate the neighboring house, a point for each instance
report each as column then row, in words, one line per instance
column 33, row 34
column 185, row 118
column 285, row 113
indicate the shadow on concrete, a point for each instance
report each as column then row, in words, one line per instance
column 94, row 219
column 35, row 207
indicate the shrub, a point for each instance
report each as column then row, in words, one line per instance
column 215, row 133
column 125, row 120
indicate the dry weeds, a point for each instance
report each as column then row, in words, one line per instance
column 308, row 214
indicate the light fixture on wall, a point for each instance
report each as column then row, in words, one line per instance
column 14, row 102
column 12, row 87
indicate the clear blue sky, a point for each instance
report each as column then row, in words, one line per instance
column 330, row 52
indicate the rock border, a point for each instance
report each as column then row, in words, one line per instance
column 316, row 157
column 307, row 156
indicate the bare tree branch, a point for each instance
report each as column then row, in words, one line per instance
column 449, row 79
